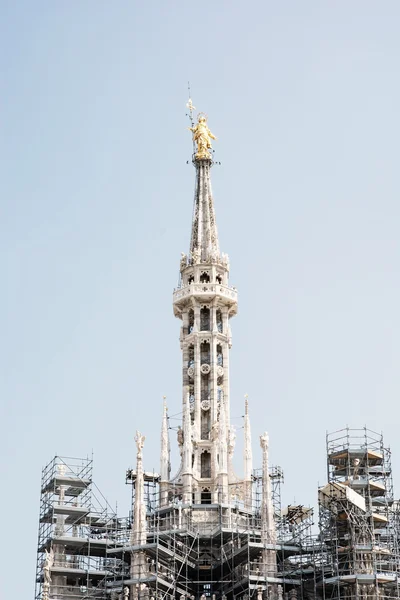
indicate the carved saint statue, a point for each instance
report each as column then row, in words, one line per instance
column 231, row 439
column 47, row 564
column 139, row 439
column 225, row 260
column 196, row 255
column 183, row 261
column 180, row 435
column 202, row 136
column 264, row 441
column 356, row 465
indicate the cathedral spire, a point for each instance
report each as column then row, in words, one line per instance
column 204, row 245
column 205, row 302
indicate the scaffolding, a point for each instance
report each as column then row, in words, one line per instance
column 200, row 551
column 357, row 521
column 76, row 526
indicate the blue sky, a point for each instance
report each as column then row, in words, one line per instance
column 96, row 202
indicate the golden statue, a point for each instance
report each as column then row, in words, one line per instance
column 202, row 136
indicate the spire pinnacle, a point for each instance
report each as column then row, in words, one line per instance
column 204, row 245
column 138, row 535
column 268, row 531
column 165, row 465
column 248, row 455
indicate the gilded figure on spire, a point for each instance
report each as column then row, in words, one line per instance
column 202, row 136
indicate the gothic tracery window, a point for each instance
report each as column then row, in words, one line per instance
column 205, row 470
column 205, row 353
column 220, row 357
column 191, row 320
column 205, row 277
column 219, row 320
column 191, row 357
column 205, row 319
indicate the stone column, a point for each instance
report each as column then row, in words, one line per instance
column 223, row 456
column 187, row 455
column 139, row 533
column 248, row 458
column 197, row 388
column 268, row 532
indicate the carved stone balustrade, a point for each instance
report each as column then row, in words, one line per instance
column 205, row 291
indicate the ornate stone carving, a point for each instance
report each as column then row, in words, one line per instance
column 47, row 565
column 195, row 255
column 225, row 260
column 231, row 439
column 190, row 372
column 165, row 465
column 264, row 441
column 139, row 439
column 179, row 435
column 202, row 136
column 205, row 368
column 183, row 263
column 215, row 431
column 220, row 371
column 205, row 405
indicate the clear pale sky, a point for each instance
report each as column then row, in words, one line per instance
column 96, row 203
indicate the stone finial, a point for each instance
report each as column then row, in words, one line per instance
column 165, row 464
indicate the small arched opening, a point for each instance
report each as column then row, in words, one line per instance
column 190, row 320
column 206, row 496
column 205, row 470
column 219, row 320
column 220, row 356
column 205, row 277
column 205, row 319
